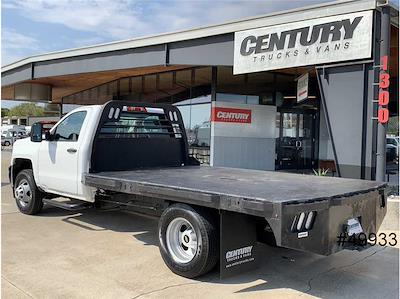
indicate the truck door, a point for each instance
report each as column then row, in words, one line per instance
column 58, row 158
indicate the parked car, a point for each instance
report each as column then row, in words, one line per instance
column 392, row 148
column 5, row 140
column 8, row 138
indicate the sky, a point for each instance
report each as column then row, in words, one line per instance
column 32, row 27
column 38, row 26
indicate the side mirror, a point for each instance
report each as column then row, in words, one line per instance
column 47, row 136
column 37, row 132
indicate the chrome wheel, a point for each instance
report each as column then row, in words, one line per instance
column 181, row 240
column 23, row 193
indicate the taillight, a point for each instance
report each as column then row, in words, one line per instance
column 303, row 221
column 135, row 109
column 309, row 221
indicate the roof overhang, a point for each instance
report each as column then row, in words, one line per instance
column 277, row 18
column 69, row 84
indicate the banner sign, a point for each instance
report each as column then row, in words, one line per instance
column 316, row 41
column 302, row 88
column 231, row 115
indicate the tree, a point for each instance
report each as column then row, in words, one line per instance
column 4, row 112
column 393, row 126
column 26, row 109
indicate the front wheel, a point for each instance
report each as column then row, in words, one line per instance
column 28, row 197
column 188, row 240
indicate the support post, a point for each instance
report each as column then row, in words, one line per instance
column 381, row 133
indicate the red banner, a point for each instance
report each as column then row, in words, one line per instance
column 231, row 115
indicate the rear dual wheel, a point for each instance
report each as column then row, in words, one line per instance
column 188, row 240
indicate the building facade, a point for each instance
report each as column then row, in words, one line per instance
column 291, row 91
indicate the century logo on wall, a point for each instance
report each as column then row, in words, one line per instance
column 316, row 41
column 230, row 115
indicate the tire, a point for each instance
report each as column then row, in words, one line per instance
column 28, row 197
column 203, row 238
column 7, row 143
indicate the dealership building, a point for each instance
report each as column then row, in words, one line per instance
column 296, row 90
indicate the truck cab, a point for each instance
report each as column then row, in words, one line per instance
column 58, row 161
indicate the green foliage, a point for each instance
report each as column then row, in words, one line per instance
column 26, row 109
column 393, row 126
column 4, row 112
column 321, row 172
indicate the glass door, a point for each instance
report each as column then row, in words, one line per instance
column 306, row 140
column 295, row 142
column 287, row 149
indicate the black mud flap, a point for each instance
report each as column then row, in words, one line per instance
column 239, row 251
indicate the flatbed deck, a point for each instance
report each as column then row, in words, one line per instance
column 222, row 187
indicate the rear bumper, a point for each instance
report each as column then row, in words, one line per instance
column 330, row 221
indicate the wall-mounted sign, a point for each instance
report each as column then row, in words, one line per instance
column 316, row 41
column 302, row 87
column 231, row 115
column 383, row 96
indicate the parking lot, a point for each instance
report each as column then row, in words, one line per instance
column 113, row 254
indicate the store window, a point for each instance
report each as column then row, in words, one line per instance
column 253, row 89
column 203, row 76
column 196, row 117
column 184, row 78
column 124, row 87
column 189, row 89
column 165, row 82
column 286, row 90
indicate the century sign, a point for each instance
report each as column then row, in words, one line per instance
column 316, row 41
column 231, row 115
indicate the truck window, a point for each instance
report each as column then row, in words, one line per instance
column 70, row 127
column 137, row 125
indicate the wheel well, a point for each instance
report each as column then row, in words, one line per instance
column 214, row 213
column 19, row 165
column 265, row 233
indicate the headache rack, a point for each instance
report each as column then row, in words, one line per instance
column 138, row 136
column 139, row 125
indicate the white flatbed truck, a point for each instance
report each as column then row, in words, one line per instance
column 135, row 156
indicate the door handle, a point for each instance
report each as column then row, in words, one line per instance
column 71, row 150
